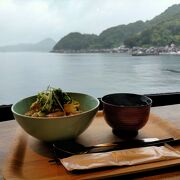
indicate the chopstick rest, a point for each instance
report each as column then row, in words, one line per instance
column 126, row 157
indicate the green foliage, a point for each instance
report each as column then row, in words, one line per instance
column 76, row 41
column 114, row 37
column 164, row 33
column 161, row 30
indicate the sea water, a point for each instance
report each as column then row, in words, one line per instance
column 24, row 74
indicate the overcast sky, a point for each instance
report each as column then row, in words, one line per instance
column 31, row 21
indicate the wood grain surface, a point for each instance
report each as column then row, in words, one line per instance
column 28, row 157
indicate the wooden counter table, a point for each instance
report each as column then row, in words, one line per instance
column 170, row 113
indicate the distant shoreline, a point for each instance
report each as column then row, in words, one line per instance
column 135, row 51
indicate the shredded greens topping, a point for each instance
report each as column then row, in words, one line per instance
column 52, row 103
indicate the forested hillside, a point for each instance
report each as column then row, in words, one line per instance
column 161, row 30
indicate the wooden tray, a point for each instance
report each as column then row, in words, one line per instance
column 28, row 157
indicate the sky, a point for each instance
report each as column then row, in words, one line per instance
column 31, row 21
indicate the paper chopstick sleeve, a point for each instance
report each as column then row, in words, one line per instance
column 126, row 157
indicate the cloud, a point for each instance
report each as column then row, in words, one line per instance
column 34, row 20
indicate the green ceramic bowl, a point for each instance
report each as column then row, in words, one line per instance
column 57, row 128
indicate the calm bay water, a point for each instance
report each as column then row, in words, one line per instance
column 25, row 74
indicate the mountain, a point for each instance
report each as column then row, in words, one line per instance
column 76, row 41
column 115, row 36
column 167, row 15
column 109, row 38
column 43, row 46
column 161, row 30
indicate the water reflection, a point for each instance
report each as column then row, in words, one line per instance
column 24, row 74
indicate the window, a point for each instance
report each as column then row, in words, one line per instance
column 96, row 48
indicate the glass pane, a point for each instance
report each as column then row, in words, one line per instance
column 25, row 74
column 24, row 71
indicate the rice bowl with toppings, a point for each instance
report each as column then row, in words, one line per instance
column 57, row 128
